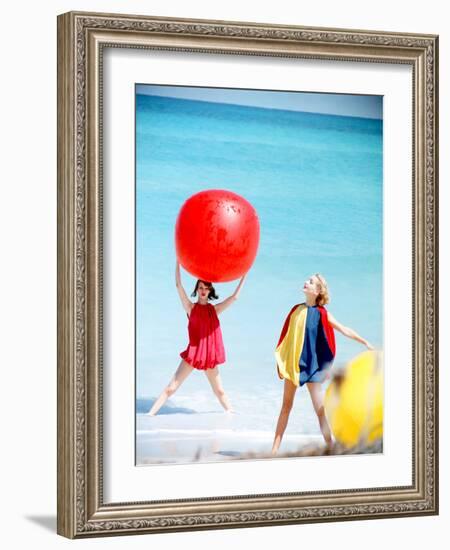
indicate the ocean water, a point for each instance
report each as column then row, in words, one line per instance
column 316, row 183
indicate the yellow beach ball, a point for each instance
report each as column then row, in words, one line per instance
column 354, row 401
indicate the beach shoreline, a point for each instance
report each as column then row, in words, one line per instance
column 206, row 437
column 216, row 437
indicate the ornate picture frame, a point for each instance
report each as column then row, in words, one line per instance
column 82, row 40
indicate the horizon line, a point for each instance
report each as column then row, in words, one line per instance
column 231, row 103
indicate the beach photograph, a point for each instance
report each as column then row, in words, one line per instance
column 258, row 274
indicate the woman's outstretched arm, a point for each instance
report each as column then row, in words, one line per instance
column 228, row 301
column 187, row 304
column 346, row 331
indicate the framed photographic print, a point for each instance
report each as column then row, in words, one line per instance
column 247, row 282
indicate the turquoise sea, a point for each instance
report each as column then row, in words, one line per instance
column 316, row 183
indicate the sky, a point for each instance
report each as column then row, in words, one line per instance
column 364, row 106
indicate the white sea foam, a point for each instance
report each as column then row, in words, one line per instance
column 241, row 434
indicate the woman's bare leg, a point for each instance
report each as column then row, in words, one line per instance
column 315, row 391
column 216, row 385
column 288, row 400
column 182, row 372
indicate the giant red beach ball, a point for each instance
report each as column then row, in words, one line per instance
column 217, row 235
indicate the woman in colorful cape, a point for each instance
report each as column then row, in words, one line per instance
column 205, row 350
column 305, row 352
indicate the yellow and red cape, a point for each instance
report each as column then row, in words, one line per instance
column 292, row 338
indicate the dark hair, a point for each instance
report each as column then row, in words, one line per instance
column 212, row 291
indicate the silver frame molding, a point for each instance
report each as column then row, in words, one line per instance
column 81, row 39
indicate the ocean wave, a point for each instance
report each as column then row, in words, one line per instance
column 223, row 432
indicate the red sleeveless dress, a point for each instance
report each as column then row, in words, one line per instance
column 205, row 349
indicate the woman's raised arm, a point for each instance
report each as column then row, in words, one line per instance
column 346, row 331
column 228, row 301
column 187, row 304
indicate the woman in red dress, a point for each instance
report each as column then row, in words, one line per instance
column 205, row 350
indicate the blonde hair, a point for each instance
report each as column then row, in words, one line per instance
column 324, row 294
